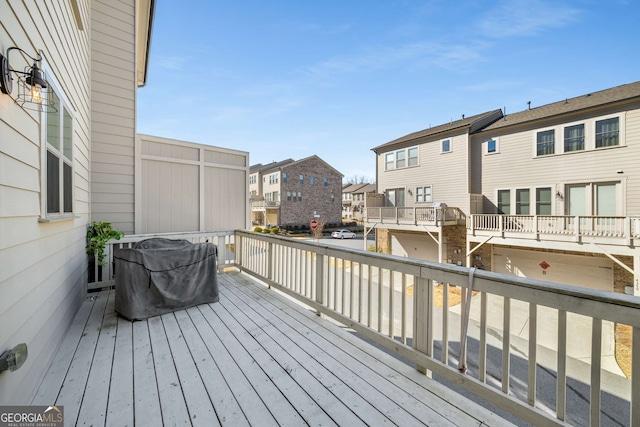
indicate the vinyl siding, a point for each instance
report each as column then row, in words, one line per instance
column 446, row 173
column 113, row 95
column 517, row 166
column 42, row 265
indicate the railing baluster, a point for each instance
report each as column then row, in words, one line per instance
column 403, row 322
column 360, row 272
column 391, row 301
column 506, row 345
column 445, row 323
column 343, row 292
column 380, row 281
column 596, row 373
column 482, row 362
column 533, row 345
column 561, row 386
column 635, row 383
column 369, row 296
column 351, row 290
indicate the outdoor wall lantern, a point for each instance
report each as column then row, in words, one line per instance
column 12, row 360
column 31, row 81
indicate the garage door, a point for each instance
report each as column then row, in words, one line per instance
column 414, row 246
column 588, row 272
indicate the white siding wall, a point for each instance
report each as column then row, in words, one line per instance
column 446, row 173
column 516, row 165
column 113, row 100
column 42, row 265
column 190, row 187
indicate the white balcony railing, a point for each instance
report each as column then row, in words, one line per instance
column 391, row 301
column 263, row 204
column 575, row 226
column 103, row 276
column 414, row 215
column 497, row 344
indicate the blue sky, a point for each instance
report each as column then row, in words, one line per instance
column 284, row 79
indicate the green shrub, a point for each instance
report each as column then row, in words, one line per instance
column 258, row 229
column 266, row 230
column 274, row 230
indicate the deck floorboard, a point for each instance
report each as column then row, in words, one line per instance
column 253, row 358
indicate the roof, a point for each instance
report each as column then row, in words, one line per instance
column 145, row 14
column 259, row 167
column 352, row 188
column 316, row 158
column 571, row 105
column 473, row 123
column 369, row 188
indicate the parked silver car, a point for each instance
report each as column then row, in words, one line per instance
column 343, row 234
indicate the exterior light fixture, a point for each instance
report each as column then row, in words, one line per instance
column 12, row 360
column 31, row 81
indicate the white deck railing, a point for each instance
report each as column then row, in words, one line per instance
column 414, row 215
column 518, row 326
column 574, row 226
column 103, row 276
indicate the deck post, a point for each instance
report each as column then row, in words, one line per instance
column 238, row 242
column 423, row 318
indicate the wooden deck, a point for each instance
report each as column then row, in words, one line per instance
column 254, row 358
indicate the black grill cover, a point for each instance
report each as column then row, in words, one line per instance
column 157, row 276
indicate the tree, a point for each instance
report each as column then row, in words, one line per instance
column 357, row 179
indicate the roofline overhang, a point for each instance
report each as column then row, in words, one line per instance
column 145, row 11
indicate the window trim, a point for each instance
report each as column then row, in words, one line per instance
column 450, row 146
column 486, row 146
column 423, row 187
column 535, row 142
column 595, row 133
column 392, row 164
column 65, row 105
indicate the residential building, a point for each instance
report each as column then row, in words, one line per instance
column 550, row 193
column 292, row 193
column 70, row 155
column 353, row 197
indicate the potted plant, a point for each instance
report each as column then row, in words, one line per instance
column 98, row 234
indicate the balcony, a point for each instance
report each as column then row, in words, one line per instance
column 261, row 205
column 413, row 216
column 267, row 354
column 607, row 230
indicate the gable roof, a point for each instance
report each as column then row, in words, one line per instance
column 352, row 188
column 259, row 167
column 473, row 124
column 316, row 158
column 570, row 105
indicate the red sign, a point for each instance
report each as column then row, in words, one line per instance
column 544, row 265
column 314, row 224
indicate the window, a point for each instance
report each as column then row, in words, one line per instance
column 574, row 138
column 59, row 157
column 446, row 146
column 401, row 161
column 284, row 177
column 492, row 146
column 273, row 178
column 545, row 142
column 301, row 179
column 326, row 182
column 522, row 201
column 299, row 196
column 252, row 179
column 423, row 194
column 543, row 201
column 288, row 196
column 413, row 156
column 388, row 161
column 312, row 180
column 504, row 202
column 607, row 132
